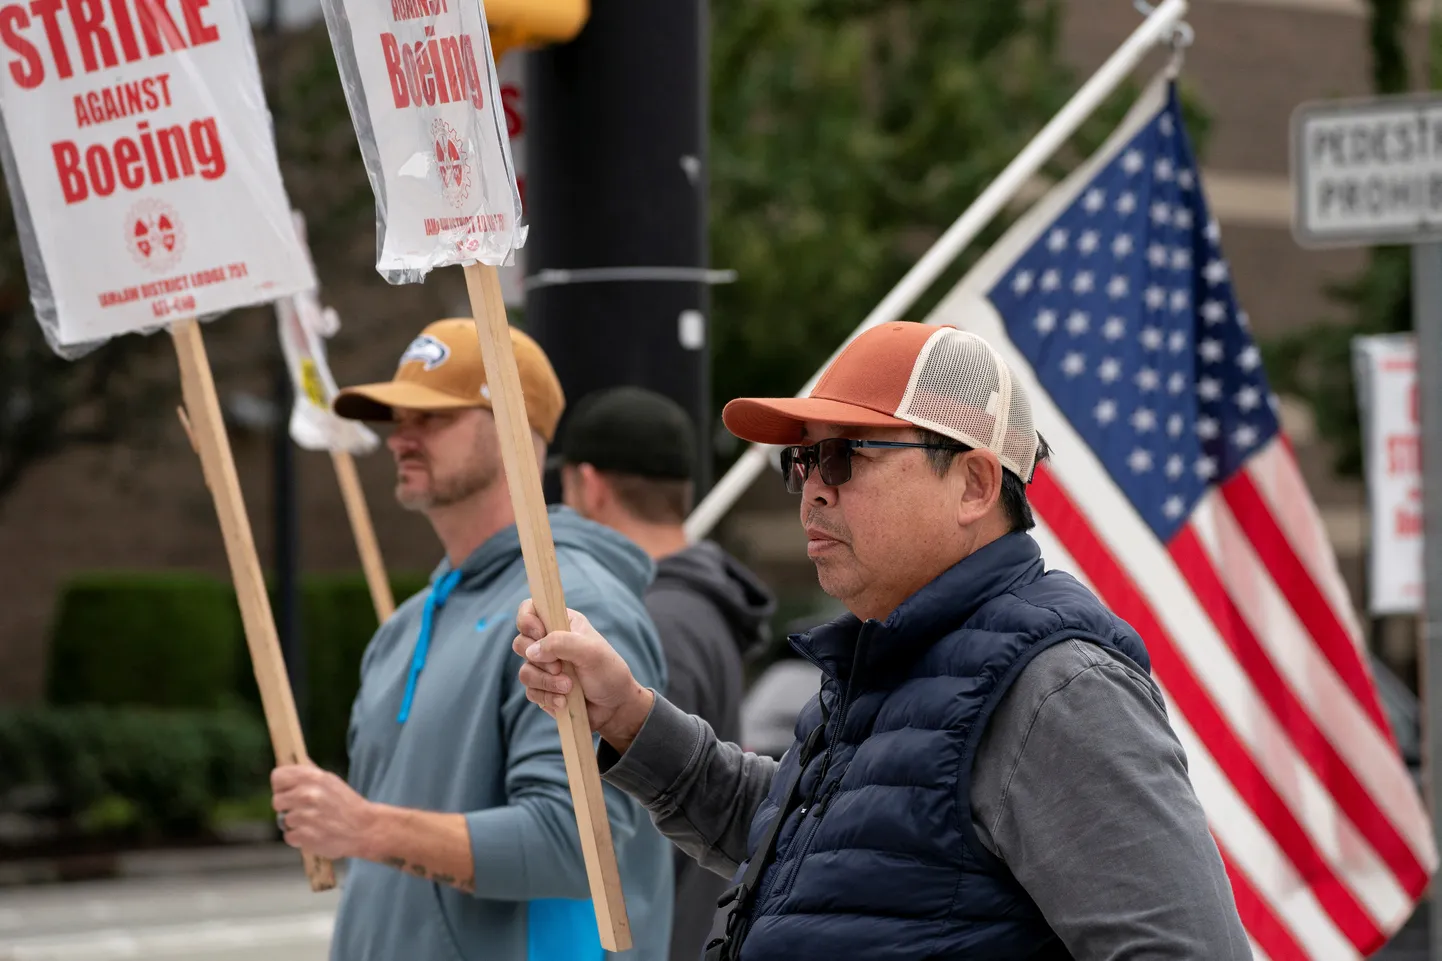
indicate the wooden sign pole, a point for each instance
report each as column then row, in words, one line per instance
column 544, row 576
column 207, row 432
column 365, row 535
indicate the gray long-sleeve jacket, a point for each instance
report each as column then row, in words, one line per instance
column 1080, row 786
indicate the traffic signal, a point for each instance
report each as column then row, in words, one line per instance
column 529, row 23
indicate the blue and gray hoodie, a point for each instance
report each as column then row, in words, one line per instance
column 471, row 743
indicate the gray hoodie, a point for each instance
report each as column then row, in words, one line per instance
column 709, row 610
column 473, row 744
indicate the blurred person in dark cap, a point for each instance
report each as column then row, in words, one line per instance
column 627, row 458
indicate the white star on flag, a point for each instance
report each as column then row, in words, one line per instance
column 1215, row 272
column 1077, row 323
column 1051, row 280
column 1073, row 364
column 1249, row 398
column 1161, row 213
column 1249, row 358
column 1045, row 321
column 1140, row 460
column 1163, row 169
column 1088, row 241
column 1211, row 350
column 1174, row 506
column 1126, row 203
column 1109, row 370
column 1122, row 245
column 1082, row 283
column 1147, row 379
column 1207, row 428
column 1156, row 297
column 1214, row 311
column 1157, row 255
column 1057, row 240
column 1114, row 328
column 1106, row 411
column 1206, row 468
column 1133, row 161
column 1094, row 201
column 1209, row 388
column 1118, row 287
column 1175, row 466
column 1143, row 420
column 1152, row 338
column 1022, row 283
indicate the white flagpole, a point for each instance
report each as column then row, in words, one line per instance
column 961, row 233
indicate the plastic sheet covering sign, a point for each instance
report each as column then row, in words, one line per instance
column 304, row 326
column 1386, row 369
column 138, row 153
column 423, row 94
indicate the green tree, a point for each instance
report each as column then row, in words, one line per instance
column 846, row 136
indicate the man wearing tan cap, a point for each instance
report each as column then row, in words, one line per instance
column 988, row 771
column 457, row 817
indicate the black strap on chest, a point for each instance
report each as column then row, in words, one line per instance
column 741, row 896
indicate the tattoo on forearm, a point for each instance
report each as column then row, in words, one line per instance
column 421, row 871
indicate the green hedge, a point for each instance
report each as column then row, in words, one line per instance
column 176, row 641
column 160, row 640
column 130, row 771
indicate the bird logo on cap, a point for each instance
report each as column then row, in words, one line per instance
column 431, row 352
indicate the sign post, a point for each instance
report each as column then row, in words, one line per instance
column 147, row 196
column 1368, row 172
column 303, row 326
column 421, row 84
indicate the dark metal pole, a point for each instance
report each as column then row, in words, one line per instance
column 286, row 550
column 616, row 198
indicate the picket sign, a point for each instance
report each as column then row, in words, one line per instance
column 138, row 155
column 420, row 81
column 303, row 326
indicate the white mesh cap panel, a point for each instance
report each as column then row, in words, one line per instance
column 962, row 389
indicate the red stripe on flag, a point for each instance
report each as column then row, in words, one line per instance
column 1302, row 593
column 1334, row 773
column 1269, row 931
column 1121, row 594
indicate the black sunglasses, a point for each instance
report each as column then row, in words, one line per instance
column 833, row 457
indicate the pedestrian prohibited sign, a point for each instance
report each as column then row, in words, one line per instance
column 1367, row 171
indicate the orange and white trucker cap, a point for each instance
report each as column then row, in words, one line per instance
column 442, row 369
column 906, row 374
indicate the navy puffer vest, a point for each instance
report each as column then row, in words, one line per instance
column 880, row 859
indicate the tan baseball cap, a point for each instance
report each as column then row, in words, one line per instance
column 904, row 374
column 442, row 369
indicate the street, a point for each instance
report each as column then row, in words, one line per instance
column 245, row 916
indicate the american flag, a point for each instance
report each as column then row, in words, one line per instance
column 1173, row 493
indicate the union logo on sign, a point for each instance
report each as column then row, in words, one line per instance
column 453, row 163
column 155, row 235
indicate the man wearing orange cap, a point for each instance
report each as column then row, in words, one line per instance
column 988, row 772
column 457, row 817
